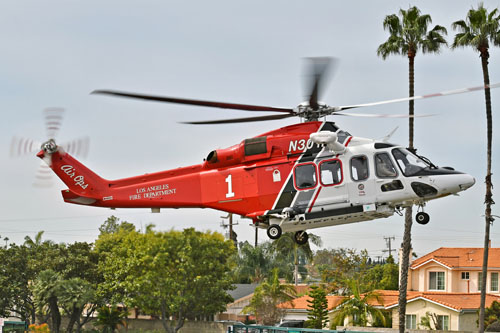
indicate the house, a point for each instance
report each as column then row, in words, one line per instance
column 242, row 294
column 443, row 286
column 455, row 270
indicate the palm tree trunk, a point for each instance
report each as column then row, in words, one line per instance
column 403, row 280
column 296, row 264
column 488, row 200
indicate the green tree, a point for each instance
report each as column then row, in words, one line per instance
column 253, row 264
column 409, row 33
column 383, row 276
column 109, row 318
column 478, row 30
column 266, row 298
column 113, row 225
column 288, row 248
column 492, row 314
column 317, row 308
column 357, row 308
column 179, row 275
column 16, row 298
column 338, row 266
column 46, row 290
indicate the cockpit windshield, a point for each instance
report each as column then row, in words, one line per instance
column 407, row 162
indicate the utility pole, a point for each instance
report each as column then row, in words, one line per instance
column 388, row 243
column 231, row 235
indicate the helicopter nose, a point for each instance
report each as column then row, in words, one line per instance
column 466, row 182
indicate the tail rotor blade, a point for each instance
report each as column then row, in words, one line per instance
column 53, row 121
column 43, row 176
column 23, row 146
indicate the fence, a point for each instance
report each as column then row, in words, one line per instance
column 273, row 329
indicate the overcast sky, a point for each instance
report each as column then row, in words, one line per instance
column 54, row 53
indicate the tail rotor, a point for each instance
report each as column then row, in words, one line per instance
column 21, row 146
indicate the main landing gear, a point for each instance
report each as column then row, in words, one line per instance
column 274, row 232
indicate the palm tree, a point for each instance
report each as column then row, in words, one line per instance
column 286, row 246
column 357, row 308
column 408, row 34
column 266, row 298
column 478, row 30
column 253, row 263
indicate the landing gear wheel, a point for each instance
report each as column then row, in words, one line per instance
column 274, row 231
column 301, row 237
column 422, row 218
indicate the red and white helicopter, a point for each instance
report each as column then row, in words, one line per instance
column 309, row 175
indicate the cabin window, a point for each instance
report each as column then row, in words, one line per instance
column 305, row 176
column 359, row 168
column 392, row 186
column 436, row 280
column 384, row 167
column 331, row 172
column 256, row 146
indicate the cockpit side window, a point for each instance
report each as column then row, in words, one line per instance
column 359, row 168
column 305, row 176
column 330, row 172
column 384, row 168
column 407, row 162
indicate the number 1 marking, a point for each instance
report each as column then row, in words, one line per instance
column 229, row 181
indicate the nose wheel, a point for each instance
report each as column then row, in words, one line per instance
column 422, row 218
column 301, row 237
column 274, row 231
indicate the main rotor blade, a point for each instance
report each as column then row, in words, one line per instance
column 239, row 120
column 374, row 115
column 444, row 93
column 222, row 105
column 317, row 70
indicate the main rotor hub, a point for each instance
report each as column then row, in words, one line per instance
column 49, row 147
column 308, row 113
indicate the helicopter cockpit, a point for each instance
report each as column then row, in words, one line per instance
column 409, row 164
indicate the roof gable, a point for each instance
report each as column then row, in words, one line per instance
column 459, row 257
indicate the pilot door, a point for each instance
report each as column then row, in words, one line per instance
column 361, row 183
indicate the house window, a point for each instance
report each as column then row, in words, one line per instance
column 436, row 280
column 465, row 275
column 494, row 282
column 411, row 322
column 444, row 322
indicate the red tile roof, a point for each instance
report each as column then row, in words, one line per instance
column 301, row 302
column 455, row 257
column 456, row 301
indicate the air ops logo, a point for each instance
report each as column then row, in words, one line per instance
column 70, row 171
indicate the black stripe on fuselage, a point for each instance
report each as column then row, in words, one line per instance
column 334, row 212
column 289, row 192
